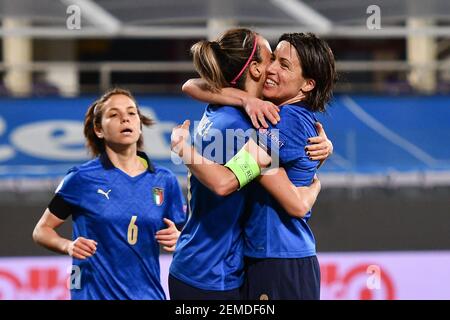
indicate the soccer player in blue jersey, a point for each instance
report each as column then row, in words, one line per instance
column 301, row 78
column 120, row 204
column 208, row 262
column 281, row 258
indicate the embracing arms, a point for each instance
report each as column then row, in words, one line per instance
column 297, row 201
column 318, row 148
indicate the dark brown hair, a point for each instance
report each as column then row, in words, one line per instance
column 93, row 118
column 317, row 63
column 219, row 62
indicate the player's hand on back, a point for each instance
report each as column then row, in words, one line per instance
column 180, row 136
column 259, row 110
column 168, row 237
column 319, row 147
column 82, row 248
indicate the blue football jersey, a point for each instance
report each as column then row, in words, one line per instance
column 270, row 231
column 122, row 214
column 209, row 253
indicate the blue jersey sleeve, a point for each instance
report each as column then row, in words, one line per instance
column 69, row 188
column 177, row 206
column 67, row 196
column 287, row 139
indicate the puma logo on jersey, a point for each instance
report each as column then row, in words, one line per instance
column 106, row 194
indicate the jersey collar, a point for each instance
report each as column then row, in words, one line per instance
column 304, row 105
column 300, row 104
column 107, row 164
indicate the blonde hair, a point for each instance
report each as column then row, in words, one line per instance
column 218, row 62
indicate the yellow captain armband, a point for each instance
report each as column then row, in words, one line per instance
column 244, row 167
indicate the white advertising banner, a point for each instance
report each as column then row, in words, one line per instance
column 385, row 275
column 355, row 276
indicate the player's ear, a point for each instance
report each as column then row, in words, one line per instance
column 255, row 69
column 98, row 132
column 309, row 85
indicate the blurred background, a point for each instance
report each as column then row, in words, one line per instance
column 382, row 220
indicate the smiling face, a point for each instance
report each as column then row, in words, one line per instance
column 266, row 54
column 120, row 123
column 284, row 76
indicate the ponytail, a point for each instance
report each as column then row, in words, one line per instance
column 224, row 62
column 206, row 63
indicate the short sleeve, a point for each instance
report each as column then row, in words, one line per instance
column 177, row 205
column 287, row 139
column 67, row 196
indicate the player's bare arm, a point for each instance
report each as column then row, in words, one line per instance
column 297, row 201
column 45, row 234
column 258, row 110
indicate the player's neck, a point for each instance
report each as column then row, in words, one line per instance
column 253, row 90
column 299, row 97
column 126, row 160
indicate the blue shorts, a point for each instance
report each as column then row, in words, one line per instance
column 181, row 291
column 282, row 279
